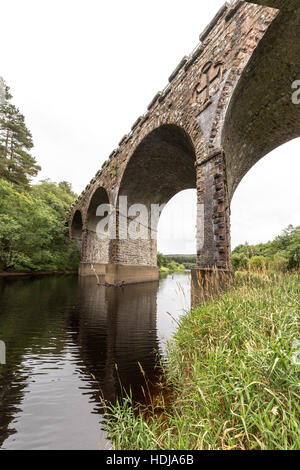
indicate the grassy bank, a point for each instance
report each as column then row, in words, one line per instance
column 230, row 367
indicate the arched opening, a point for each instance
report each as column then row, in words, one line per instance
column 262, row 114
column 261, row 117
column 266, row 200
column 161, row 166
column 97, row 247
column 76, row 229
column 177, row 225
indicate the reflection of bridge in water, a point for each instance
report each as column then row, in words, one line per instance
column 116, row 330
column 73, row 331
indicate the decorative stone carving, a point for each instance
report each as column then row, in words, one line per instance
column 208, row 85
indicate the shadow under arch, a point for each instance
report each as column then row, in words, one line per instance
column 261, row 115
column 96, row 249
column 162, row 165
column 77, row 228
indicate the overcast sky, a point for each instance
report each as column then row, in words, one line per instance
column 82, row 72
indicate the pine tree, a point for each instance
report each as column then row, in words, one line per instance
column 17, row 165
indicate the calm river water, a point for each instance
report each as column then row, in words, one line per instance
column 64, row 337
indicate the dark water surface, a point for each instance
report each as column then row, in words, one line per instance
column 64, row 337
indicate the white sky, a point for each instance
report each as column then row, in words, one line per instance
column 82, row 72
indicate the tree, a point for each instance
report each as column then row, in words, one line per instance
column 33, row 232
column 239, row 261
column 161, row 260
column 33, row 229
column 17, row 165
column 58, row 196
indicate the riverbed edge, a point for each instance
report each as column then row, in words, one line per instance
column 36, row 273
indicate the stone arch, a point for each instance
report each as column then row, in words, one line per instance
column 77, row 228
column 162, row 165
column 175, row 118
column 261, row 115
column 96, row 248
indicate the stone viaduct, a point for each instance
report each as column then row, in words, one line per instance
column 227, row 105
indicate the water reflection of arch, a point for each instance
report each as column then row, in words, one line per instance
column 117, row 326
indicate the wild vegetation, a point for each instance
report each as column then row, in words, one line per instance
column 232, row 373
column 33, row 232
column 279, row 255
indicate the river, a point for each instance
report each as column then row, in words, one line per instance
column 69, row 342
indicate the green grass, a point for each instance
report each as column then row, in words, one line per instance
column 234, row 383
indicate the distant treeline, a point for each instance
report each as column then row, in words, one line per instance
column 33, row 230
column 182, row 258
column 176, row 262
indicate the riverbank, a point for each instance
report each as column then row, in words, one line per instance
column 232, row 372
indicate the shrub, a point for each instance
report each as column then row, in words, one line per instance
column 258, row 263
column 279, row 263
column 239, row 262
